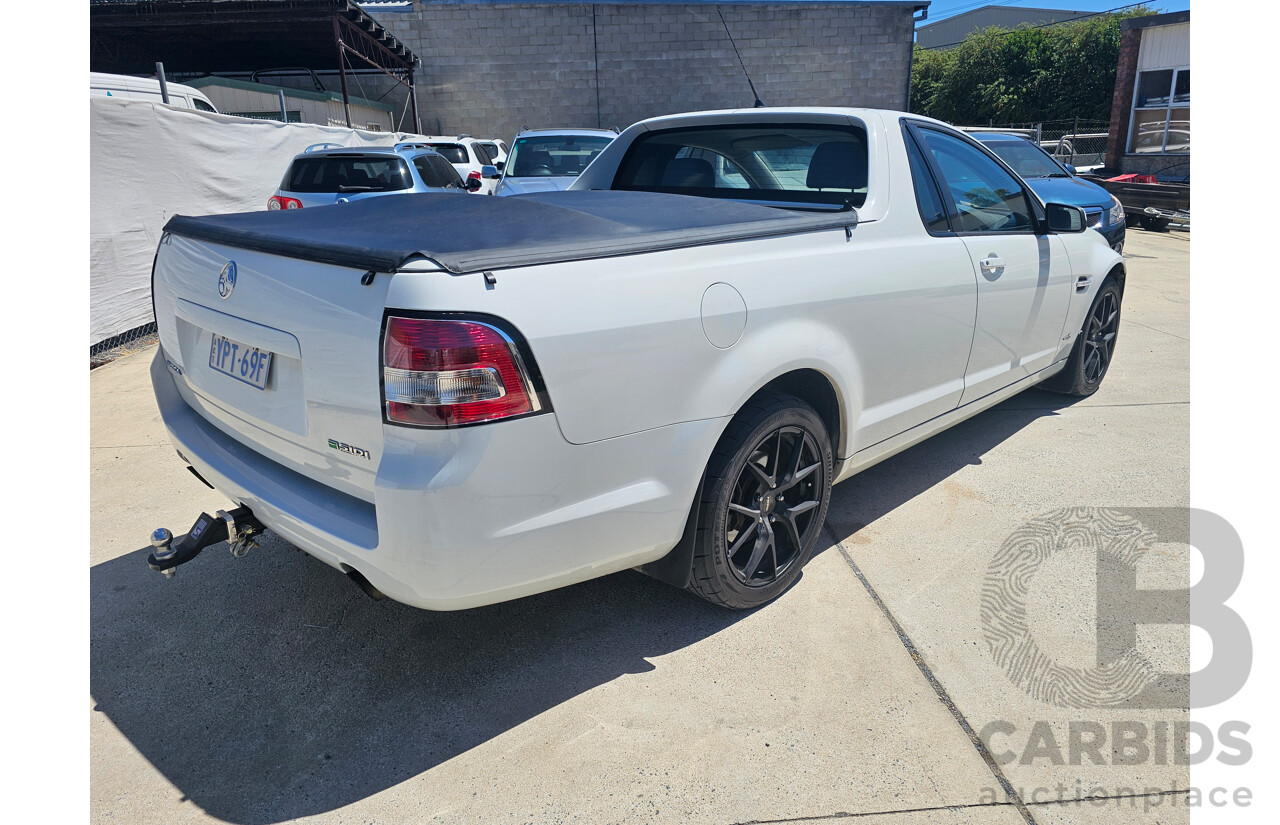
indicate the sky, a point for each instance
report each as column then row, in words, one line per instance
column 941, row 9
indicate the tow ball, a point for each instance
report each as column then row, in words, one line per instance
column 237, row 527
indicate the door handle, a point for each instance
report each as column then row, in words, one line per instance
column 991, row 262
column 1083, row 283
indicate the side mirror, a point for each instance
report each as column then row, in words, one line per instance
column 1070, row 168
column 1064, row 218
column 489, row 172
column 500, row 165
column 474, row 184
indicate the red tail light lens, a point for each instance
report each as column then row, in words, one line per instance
column 292, row 203
column 447, row 373
column 276, row 203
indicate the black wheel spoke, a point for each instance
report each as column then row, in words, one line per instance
column 764, row 538
column 785, row 461
column 788, row 520
column 777, row 460
column 799, row 476
column 802, row 507
column 797, row 453
column 741, row 541
column 760, row 474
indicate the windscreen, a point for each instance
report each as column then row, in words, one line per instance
column 553, row 155
column 801, row 164
column 1026, row 159
column 347, row 173
column 453, row 152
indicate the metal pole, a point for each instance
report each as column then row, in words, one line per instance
column 284, row 111
column 164, row 86
column 342, row 70
column 413, row 96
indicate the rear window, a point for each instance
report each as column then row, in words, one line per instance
column 799, row 164
column 436, row 172
column 491, row 148
column 561, row 155
column 347, row 173
column 453, row 152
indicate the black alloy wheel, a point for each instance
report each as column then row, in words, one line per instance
column 1095, row 346
column 764, row 501
column 772, row 508
column 1100, row 336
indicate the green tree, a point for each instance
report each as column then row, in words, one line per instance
column 1023, row 75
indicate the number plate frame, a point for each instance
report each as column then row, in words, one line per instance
column 246, row 364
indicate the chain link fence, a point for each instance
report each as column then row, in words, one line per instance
column 1077, row 141
column 117, row 346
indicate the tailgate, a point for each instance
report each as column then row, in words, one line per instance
column 316, row 408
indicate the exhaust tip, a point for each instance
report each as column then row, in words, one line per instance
column 363, row 583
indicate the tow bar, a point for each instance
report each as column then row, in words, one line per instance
column 238, row 527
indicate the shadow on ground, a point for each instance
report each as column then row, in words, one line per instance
column 879, row 490
column 269, row 688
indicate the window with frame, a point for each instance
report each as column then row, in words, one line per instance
column 806, row 165
column 932, row 212
column 437, row 172
column 1161, row 113
column 984, row 196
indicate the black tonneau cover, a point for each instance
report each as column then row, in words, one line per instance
column 469, row 233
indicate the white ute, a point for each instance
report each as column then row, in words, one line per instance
column 459, row 401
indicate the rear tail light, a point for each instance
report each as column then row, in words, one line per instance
column 276, row 203
column 474, row 176
column 449, row 372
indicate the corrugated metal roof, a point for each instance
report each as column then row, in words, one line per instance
column 953, row 30
column 289, row 91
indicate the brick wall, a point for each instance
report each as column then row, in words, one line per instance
column 1122, row 97
column 491, row 69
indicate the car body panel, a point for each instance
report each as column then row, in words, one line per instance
column 641, row 377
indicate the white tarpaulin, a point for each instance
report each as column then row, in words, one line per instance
column 149, row 162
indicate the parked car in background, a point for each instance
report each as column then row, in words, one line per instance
column 666, row 366
column 469, row 157
column 547, row 160
column 1056, row 182
column 147, row 88
column 327, row 173
column 497, row 150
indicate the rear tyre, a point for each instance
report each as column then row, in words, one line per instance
column 764, row 502
column 1095, row 346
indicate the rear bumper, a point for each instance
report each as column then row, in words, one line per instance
column 467, row 517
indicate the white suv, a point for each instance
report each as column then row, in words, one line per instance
column 469, row 157
column 497, row 150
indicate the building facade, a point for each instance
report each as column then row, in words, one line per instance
column 493, row 67
column 1151, row 108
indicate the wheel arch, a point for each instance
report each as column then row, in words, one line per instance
column 814, row 387
column 1118, row 273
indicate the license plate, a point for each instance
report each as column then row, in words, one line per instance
column 240, row 361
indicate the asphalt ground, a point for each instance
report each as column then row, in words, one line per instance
column 892, row 685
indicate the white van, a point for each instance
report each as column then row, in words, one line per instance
column 147, row 88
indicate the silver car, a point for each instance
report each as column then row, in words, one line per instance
column 547, row 160
column 327, row 173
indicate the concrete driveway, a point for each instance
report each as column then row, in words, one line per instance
column 268, row 689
